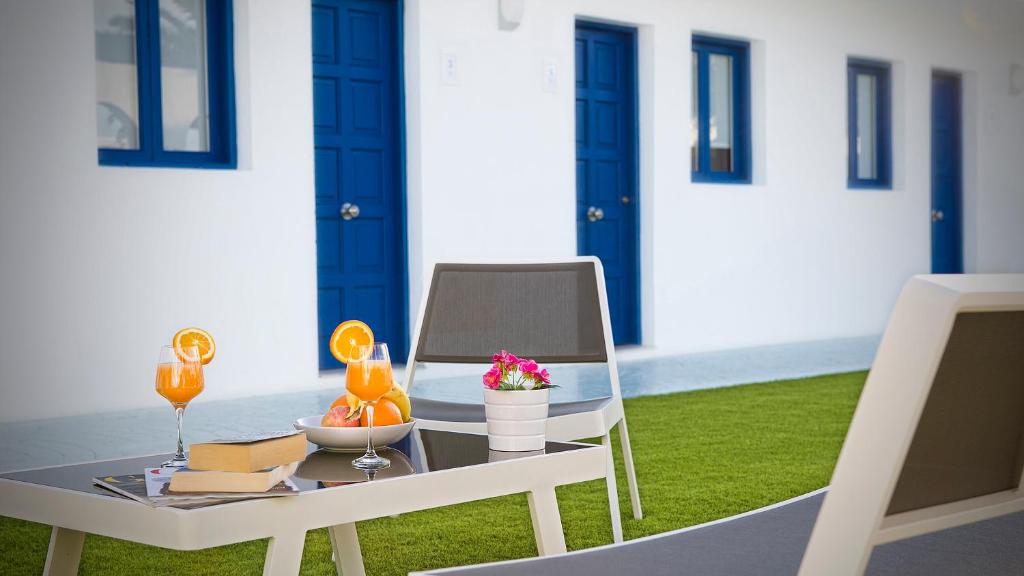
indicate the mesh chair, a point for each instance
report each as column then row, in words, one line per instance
column 552, row 312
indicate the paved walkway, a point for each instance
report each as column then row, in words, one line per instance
column 147, row 431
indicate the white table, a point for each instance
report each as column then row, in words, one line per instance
column 444, row 468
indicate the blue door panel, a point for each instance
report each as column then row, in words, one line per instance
column 581, row 63
column 356, row 113
column 325, row 109
column 606, row 166
column 324, row 41
column 947, row 234
column 328, row 167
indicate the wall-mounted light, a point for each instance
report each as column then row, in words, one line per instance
column 1016, row 79
column 510, row 13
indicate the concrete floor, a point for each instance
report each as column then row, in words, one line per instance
column 642, row 372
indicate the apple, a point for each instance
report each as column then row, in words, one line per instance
column 338, row 417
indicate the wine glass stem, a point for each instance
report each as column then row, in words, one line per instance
column 369, row 431
column 179, row 412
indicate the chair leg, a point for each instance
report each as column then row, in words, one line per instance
column 613, row 492
column 627, row 457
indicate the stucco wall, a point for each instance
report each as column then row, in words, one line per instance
column 100, row 265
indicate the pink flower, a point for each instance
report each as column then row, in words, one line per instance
column 505, row 360
column 528, row 366
column 492, row 378
column 515, row 373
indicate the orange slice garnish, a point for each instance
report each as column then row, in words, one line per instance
column 197, row 337
column 347, row 339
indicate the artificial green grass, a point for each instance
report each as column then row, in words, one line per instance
column 699, row 456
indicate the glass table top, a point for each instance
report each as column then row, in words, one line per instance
column 321, row 469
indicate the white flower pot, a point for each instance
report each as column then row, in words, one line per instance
column 516, row 419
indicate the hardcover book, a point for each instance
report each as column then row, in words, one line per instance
column 188, row 480
column 250, row 453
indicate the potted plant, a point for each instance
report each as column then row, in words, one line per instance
column 516, row 403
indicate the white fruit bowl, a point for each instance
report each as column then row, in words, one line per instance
column 351, row 439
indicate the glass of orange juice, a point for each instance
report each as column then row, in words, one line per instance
column 179, row 378
column 369, row 378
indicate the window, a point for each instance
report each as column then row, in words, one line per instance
column 869, row 128
column 164, row 83
column 720, row 111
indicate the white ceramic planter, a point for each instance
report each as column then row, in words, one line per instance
column 516, row 419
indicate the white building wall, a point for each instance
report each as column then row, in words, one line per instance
column 100, row 265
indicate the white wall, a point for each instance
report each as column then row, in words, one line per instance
column 796, row 256
column 100, row 265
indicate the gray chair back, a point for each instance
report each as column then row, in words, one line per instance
column 551, row 312
column 970, row 439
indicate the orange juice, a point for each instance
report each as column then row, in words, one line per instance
column 179, row 382
column 368, row 380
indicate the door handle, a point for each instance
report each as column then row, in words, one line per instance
column 349, row 211
column 937, row 215
column 595, row 214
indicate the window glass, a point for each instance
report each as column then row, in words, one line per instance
column 694, row 117
column 720, row 121
column 720, row 115
column 183, row 75
column 867, row 121
column 117, row 91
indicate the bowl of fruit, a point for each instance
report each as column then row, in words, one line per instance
column 343, row 428
column 345, row 425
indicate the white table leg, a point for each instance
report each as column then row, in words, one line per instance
column 547, row 523
column 64, row 553
column 348, row 557
column 284, row 554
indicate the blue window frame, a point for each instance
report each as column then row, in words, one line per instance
column 165, row 83
column 869, row 129
column 720, row 112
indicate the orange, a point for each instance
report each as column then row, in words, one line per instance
column 347, row 338
column 195, row 337
column 385, row 413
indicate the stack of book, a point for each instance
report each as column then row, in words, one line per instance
column 254, row 466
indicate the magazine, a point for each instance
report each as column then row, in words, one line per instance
column 151, row 488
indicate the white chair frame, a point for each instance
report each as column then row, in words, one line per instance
column 853, row 517
column 570, row 426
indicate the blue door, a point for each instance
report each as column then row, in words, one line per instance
column 360, row 227
column 606, row 179
column 947, row 202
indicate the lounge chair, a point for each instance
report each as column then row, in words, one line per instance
column 928, row 480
